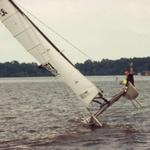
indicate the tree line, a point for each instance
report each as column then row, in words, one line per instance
column 114, row 67
column 16, row 69
column 103, row 67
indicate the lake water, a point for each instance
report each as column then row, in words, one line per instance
column 43, row 113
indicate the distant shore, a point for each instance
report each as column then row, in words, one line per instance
column 90, row 68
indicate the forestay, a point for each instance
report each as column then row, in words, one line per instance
column 39, row 46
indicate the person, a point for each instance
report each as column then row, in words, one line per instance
column 130, row 75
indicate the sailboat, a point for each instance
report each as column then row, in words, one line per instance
column 28, row 34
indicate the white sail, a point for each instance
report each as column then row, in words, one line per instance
column 39, row 46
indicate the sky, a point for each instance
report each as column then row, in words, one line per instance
column 109, row 29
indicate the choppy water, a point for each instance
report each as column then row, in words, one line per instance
column 42, row 113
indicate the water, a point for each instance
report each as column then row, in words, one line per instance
column 43, row 113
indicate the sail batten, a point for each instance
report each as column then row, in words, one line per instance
column 33, row 47
column 21, row 32
column 45, row 51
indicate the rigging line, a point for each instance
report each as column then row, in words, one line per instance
column 48, row 27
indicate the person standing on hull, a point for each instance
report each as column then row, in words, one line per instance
column 129, row 75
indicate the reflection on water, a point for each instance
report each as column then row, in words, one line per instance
column 44, row 113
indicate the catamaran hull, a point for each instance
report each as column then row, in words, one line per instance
column 91, row 121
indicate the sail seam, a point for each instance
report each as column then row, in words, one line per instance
column 46, row 51
column 22, row 32
column 33, row 47
column 90, row 87
column 9, row 17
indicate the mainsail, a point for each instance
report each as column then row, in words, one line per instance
column 43, row 49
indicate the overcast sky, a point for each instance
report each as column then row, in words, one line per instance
column 101, row 28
